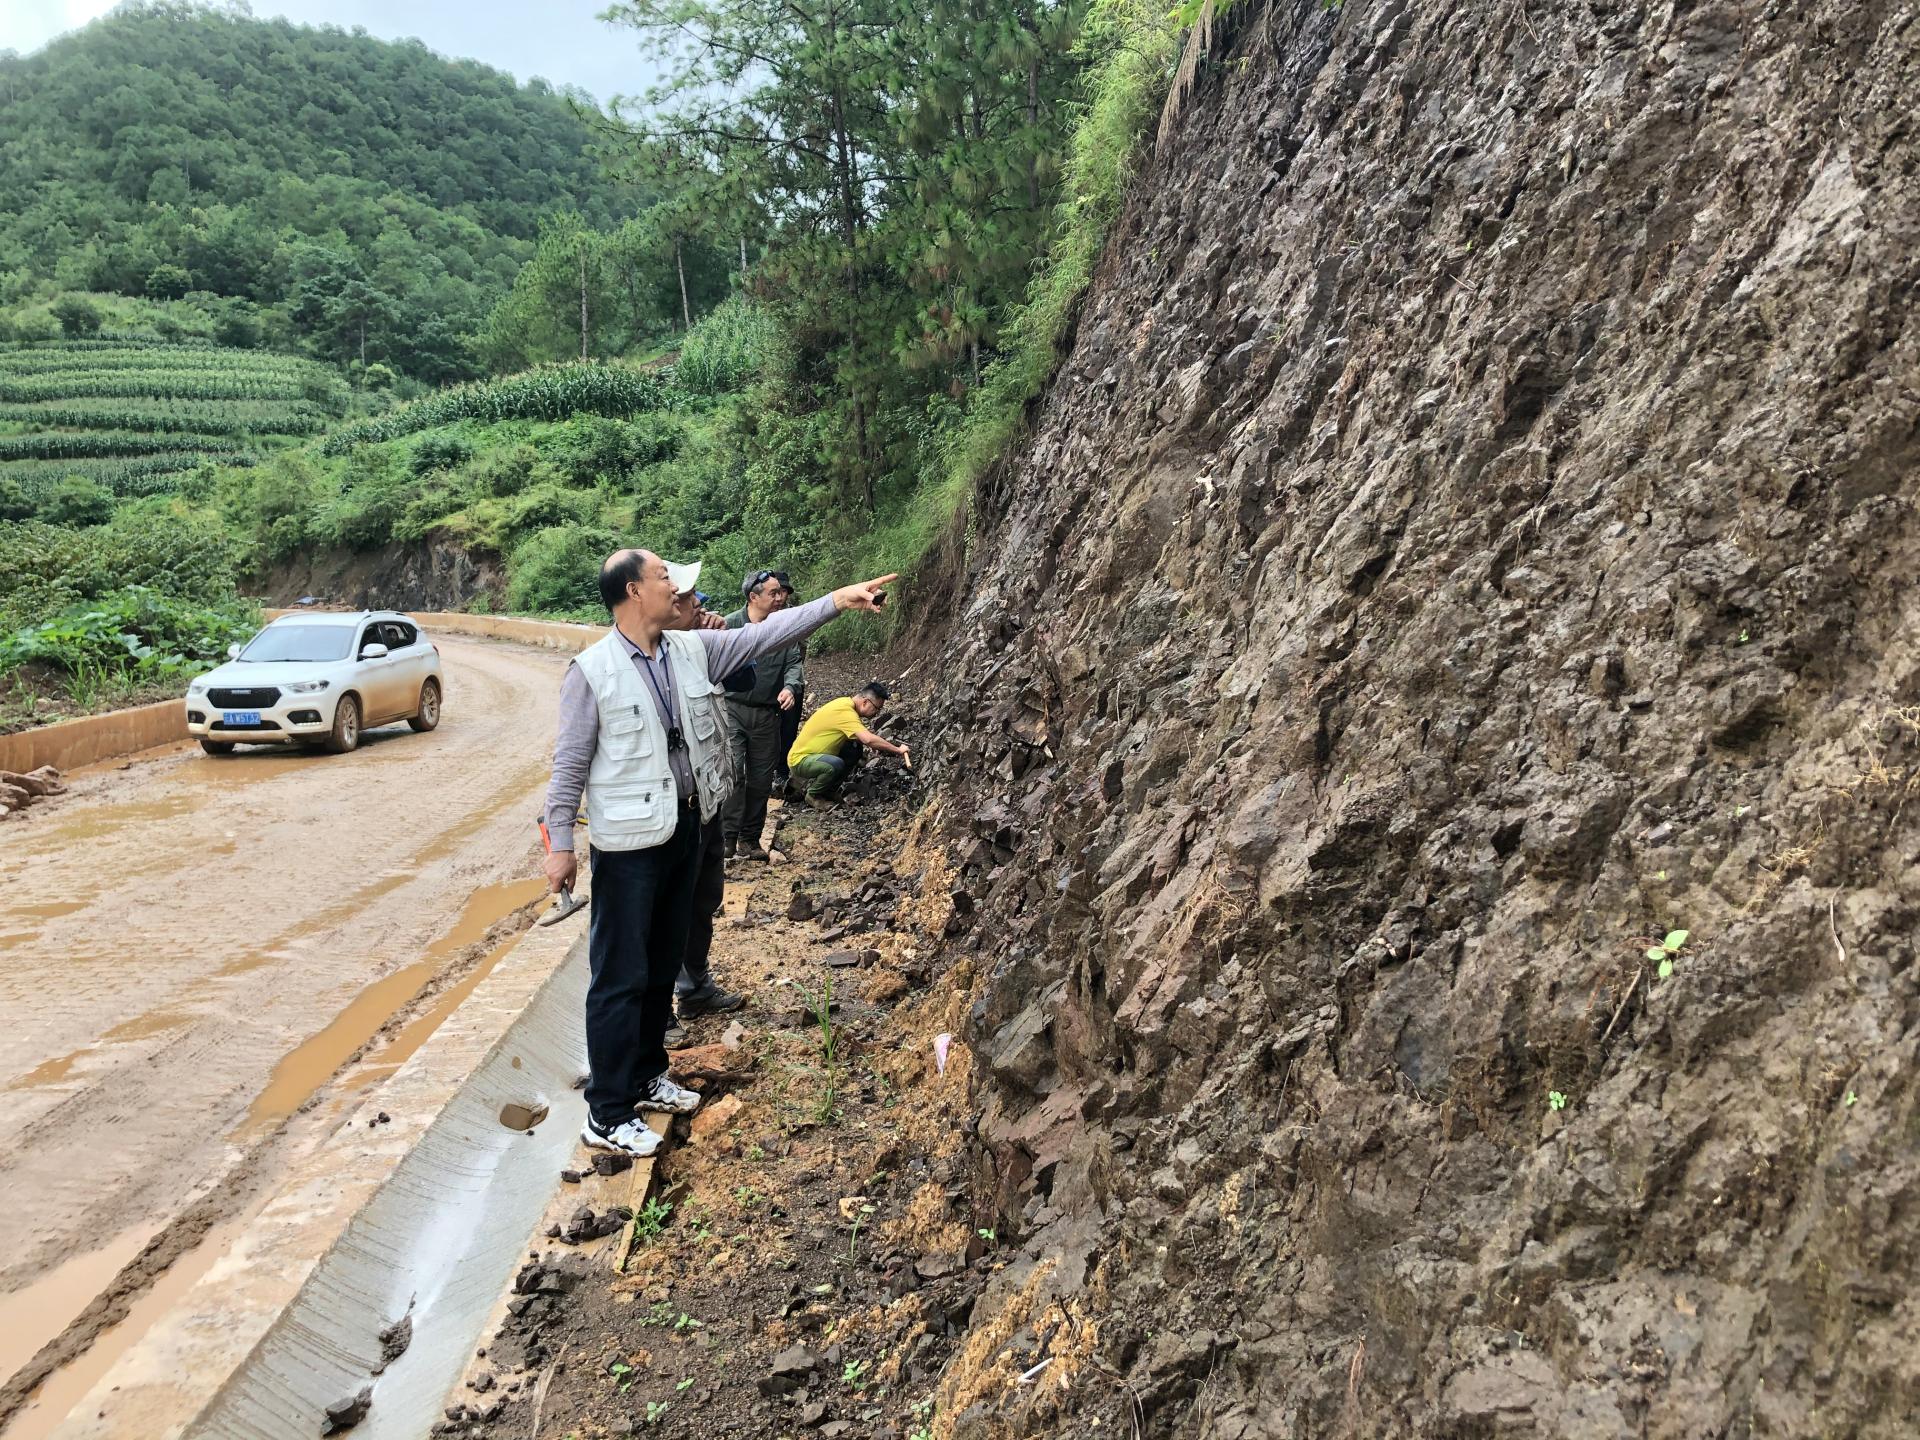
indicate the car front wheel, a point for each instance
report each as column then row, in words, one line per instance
column 346, row 726
column 428, row 715
column 216, row 747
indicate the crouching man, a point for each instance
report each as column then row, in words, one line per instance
column 828, row 745
column 641, row 733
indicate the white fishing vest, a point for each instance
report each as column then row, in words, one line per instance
column 632, row 802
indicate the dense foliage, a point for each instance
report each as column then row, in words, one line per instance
column 369, row 200
column 871, row 277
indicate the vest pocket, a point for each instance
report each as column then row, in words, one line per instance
column 706, row 724
column 635, row 804
column 626, row 734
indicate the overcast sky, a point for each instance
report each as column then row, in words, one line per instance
column 557, row 39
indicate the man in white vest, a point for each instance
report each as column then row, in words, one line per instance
column 641, row 732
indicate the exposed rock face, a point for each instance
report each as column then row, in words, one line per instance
column 1471, row 536
column 425, row 575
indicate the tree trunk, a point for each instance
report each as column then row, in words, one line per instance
column 1033, row 126
column 686, row 310
column 363, row 342
column 743, row 254
column 583, row 300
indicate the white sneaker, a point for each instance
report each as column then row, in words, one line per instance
column 662, row 1094
column 629, row 1137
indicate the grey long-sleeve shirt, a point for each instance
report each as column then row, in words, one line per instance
column 579, row 732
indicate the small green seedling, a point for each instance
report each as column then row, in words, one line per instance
column 1556, row 1100
column 854, row 1238
column 1743, row 637
column 657, row 1411
column 986, row 1235
column 1666, row 950
column 851, row 1372
column 686, row 1384
column 687, row 1322
column 620, row 1371
column 1851, row 1097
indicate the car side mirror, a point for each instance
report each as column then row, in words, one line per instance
column 233, row 652
column 373, row 651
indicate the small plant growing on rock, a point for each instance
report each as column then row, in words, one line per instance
column 1556, row 1100
column 1664, row 952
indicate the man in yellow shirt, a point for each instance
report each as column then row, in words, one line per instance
column 819, row 760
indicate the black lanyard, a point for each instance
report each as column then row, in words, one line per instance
column 676, row 739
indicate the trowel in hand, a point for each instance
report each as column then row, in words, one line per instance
column 563, row 904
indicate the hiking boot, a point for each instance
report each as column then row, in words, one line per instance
column 753, row 852
column 709, row 999
column 629, row 1137
column 660, row 1093
column 676, row 1038
column 819, row 802
column 728, row 848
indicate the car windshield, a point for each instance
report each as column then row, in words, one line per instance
column 299, row 642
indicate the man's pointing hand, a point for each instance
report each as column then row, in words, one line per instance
column 867, row 595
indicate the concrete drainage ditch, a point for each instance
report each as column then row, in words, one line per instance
column 425, row 1216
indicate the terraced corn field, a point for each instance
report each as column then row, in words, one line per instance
column 134, row 416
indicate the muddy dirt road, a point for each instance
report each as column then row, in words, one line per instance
column 191, row 947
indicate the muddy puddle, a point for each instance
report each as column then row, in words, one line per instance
column 298, row 1077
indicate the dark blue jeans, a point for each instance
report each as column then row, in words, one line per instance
column 636, row 938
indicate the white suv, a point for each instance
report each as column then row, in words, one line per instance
column 318, row 679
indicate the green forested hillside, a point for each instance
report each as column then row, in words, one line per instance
column 786, row 314
column 365, row 200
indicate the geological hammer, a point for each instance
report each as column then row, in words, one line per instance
column 565, row 904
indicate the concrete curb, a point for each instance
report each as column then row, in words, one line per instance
column 432, row 1211
column 69, row 744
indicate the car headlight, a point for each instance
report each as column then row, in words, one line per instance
column 196, row 687
column 307, row 687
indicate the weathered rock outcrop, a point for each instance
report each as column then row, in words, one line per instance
column 423, row 575
column 1470, row 537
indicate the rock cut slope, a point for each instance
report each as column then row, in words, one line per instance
column 1470, row 538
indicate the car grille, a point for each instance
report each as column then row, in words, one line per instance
column 263, row 725
column 261, row 699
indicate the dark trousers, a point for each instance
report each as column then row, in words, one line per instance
column 709, row 889
column 756, row 743
column 789, row 732
column 636, row 935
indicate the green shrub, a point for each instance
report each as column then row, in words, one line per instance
column 168, row 282
column 592, row 448
column 15, row 502
column 77, row 501
column 439, row 450
column 77, row 315
column 547, row 506
column 506, row 471
column 557, row 571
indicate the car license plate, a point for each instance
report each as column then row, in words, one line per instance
column 241, row 717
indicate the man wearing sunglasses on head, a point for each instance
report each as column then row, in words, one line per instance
column 756, row 716
column 641, row 735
